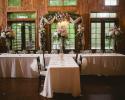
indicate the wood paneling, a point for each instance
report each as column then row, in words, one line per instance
column 2, row 13
column 122, row 23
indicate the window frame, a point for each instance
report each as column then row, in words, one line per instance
column 14, row 5
column 23, row 37
column 61, row 5
column 117, row 3
column 102, row 21
column 69, row 29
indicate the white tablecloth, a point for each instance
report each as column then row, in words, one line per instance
column 20, row 65
column 62, row 77
column 104, row 64
column 17, row 65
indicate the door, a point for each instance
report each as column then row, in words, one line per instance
column 25, row 35
column 100, row 34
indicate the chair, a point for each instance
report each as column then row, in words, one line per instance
column 41, row 73
column 84, row 64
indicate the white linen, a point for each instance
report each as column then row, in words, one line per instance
column 17, row 65
column 20, row 65
column 62, row 77
column 25, row 65
column 104, row 64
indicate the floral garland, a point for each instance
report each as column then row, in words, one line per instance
column 63, row 19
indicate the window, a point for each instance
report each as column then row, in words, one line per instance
column 100, row 26
column 25, row 35
column 70, row 41
column 14, row 2
column 21, row 15
column 95, row 35
column 109, row 43
column 111, row 2
column 103, row 15
column 62, row 2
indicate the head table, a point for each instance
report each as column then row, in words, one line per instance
column 25, row 65
column 17, row 65
column 20, row 65
column 107, row 64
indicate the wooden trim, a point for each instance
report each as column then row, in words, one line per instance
column 23, row 19
column 63, row 9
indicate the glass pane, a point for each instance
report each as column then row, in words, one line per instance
column 71, row 36
column 29, row 36
column 113, row 15
column 111, row 2
column 95, row 35
column 98, row 25
column 98, row 30
column 21, row 15
column 55, row 3
column 72, row 31
column 70, row 2
column 62, row 2
column 93, row 25
column 14, row 2
column 17, row 41
column 71, row 26
column 93, row 15
column 109, row 43
column 103, row 15
column 93, row 30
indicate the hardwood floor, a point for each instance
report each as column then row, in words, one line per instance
column 93, row 88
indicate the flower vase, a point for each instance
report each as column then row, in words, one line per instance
column 62, row 48
column 61, row 56
column 8, row 43
column 62, row 45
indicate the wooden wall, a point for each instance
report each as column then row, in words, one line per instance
column 83, row 8
column 122, row 23
column 2, row 13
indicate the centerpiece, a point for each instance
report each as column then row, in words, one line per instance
column 9, row 35
column 114, row 34
column 62, row 33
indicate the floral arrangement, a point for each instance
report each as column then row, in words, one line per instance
column 115, row 32
column 8, row 33
column 62, row 28
column 114, row 36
